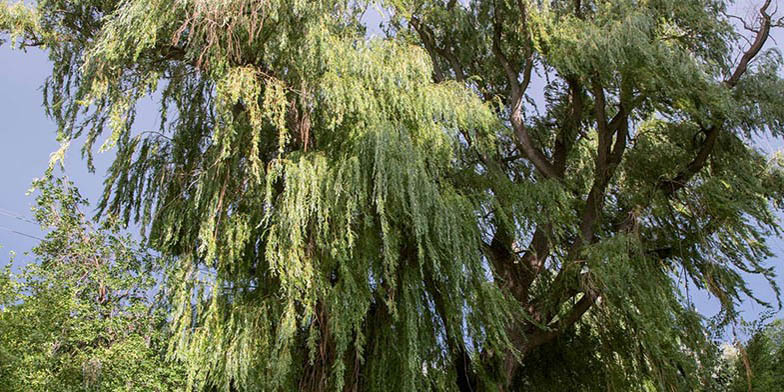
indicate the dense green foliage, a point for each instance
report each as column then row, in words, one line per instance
column 402, row 214
column 80, row 317
column 757, row 365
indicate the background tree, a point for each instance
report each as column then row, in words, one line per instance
column 402, row 214
column 757, row 364
column 80, row 318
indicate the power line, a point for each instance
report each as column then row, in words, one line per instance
column 14, row 215
column 20, row 233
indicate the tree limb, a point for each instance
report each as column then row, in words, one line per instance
column 543, row 336
column 517, row 94
column 751, row 53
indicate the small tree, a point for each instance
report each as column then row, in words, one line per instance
column 81, row 317
column 758, row 365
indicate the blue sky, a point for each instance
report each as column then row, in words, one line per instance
column 28, row 138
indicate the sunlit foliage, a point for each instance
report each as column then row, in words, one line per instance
column 402, row 214
column 81, row 317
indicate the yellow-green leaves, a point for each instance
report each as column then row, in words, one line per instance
column 360, row 210
column 21, row 24
column 80, row 316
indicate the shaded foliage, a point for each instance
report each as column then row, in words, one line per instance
column 756, row 365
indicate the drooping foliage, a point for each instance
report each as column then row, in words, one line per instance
column 496, row 188
column 650, row 115
column 81, row 317
column 307, row 182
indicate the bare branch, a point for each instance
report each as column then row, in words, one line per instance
column 751, row 53
column 517, row 90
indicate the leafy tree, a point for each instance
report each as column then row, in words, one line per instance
column 757, row 365
column 80, row 318
column 402, row 214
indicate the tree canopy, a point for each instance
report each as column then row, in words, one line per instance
column 756, row 365
column 81, row 317
column 498, row 195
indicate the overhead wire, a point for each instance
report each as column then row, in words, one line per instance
column 20, row 217
column 14, row 215
column 20, row 233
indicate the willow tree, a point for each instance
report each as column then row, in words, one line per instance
column 404, row 214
